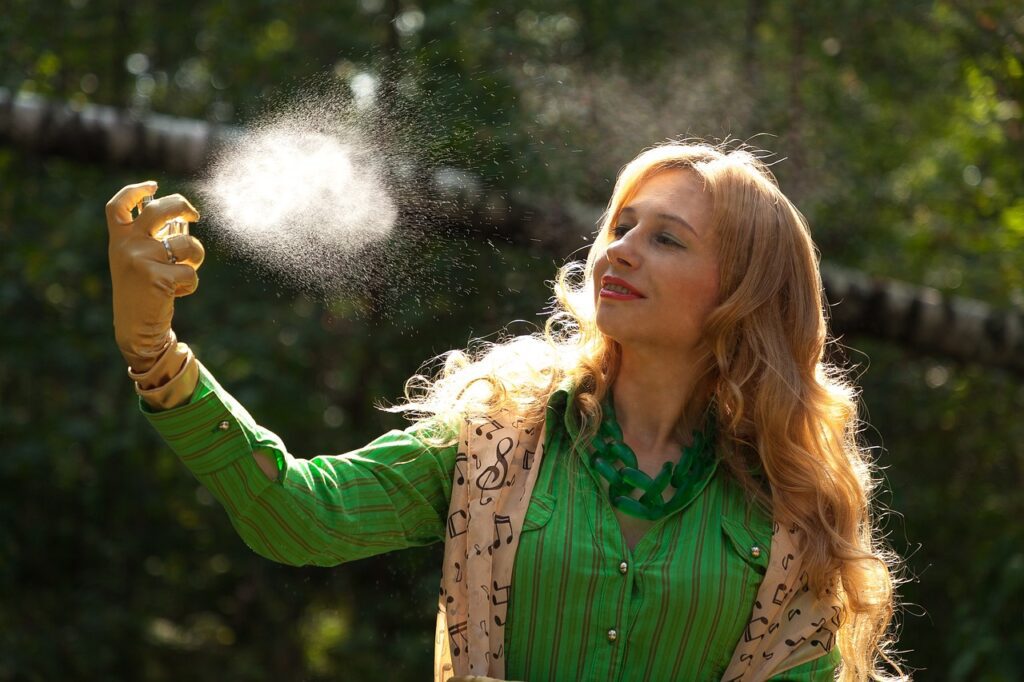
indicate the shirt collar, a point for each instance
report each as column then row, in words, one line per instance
column 559, row 403
column 558, row 408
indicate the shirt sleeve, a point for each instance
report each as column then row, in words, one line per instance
column 390, row 494
column 821, row 669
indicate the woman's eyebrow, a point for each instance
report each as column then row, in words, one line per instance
column 672, row 217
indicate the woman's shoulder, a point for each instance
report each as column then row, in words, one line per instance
column 520, row 379
column 544, row 406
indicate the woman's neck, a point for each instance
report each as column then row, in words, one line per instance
column 652, row 397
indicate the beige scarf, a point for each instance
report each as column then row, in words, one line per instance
column 495, row 471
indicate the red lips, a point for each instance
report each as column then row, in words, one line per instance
column 630, row 292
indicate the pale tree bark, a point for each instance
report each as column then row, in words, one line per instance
column 923, row 319
column 105, row 135
column 918, row 318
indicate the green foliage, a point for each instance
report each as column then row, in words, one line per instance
column 901, row 126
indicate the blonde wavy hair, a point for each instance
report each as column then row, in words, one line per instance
column 782, row 410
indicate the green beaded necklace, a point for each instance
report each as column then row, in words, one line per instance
column 694, row 461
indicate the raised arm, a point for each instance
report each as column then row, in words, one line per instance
column 390, row 494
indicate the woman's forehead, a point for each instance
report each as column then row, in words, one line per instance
column 675, row 191
column 670, row 180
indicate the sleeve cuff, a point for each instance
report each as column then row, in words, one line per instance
column 171, row 381
column 212, row 430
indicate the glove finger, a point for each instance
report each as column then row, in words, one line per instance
column 186, row 280
column 119, row 208
column 174, row 280
column 161, row 211
column 187, row 250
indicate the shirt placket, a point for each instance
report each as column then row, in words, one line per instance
column 610, row 655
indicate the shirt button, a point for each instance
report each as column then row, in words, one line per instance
column 755, row 551
column 612, row 635
column 623, row 567
column 224, row 425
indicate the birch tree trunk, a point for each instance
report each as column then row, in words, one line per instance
column 103, row 135
column 918, row 318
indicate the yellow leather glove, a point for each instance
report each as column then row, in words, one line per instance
column 147, row 274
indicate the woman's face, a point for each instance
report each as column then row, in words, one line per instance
column 657, row 279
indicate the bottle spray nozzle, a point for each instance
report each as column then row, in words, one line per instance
column 170, row 228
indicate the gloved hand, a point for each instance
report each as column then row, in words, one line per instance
column 148, row 274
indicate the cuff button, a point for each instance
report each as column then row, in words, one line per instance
column 224, row 425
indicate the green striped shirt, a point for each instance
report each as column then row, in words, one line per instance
column 583, row 605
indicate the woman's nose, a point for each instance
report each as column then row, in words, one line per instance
column 622, row 251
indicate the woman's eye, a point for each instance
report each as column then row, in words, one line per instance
column 619, row 231
column 668, row 240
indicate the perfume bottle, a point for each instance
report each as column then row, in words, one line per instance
column 170, row 228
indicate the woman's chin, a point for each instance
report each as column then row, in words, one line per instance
column 614, row 330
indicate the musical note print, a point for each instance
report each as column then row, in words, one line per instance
column 460, row 457
column 458, row 523
column 444, row 597
column 787, row 621
column 748, row 634
column 528, row 456
column 504, row 590
column 485, row 513
column 494, row 476
column 494, row 425
column 459, row 629
column 502, row 520
column 825, row 644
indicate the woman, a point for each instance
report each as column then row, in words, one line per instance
column 668, row 477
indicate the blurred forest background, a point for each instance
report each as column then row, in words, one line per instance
column 900, row 126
